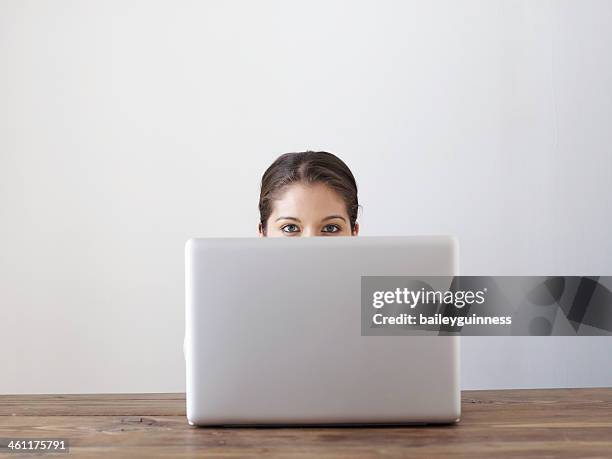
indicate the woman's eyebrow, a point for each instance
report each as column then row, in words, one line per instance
column 288, row 218
column 331, row 217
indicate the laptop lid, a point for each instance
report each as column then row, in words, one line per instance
column 273, row 333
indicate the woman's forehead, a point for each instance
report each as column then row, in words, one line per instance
column 308, row 199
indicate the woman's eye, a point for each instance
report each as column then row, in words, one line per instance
column 330, row 229
column 290, row 228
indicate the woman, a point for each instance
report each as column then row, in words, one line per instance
column 312, row 193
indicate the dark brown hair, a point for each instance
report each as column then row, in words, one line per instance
column 308, row 167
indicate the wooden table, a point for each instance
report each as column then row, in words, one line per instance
column 508, row 423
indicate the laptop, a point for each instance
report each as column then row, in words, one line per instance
column 273, row 334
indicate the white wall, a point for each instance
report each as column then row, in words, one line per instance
column 128, row 127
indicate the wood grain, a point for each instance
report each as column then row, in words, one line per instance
column 543, row 423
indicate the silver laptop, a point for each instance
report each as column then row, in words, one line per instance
column 273, row 334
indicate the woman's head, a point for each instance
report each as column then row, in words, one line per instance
column 312, row 193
